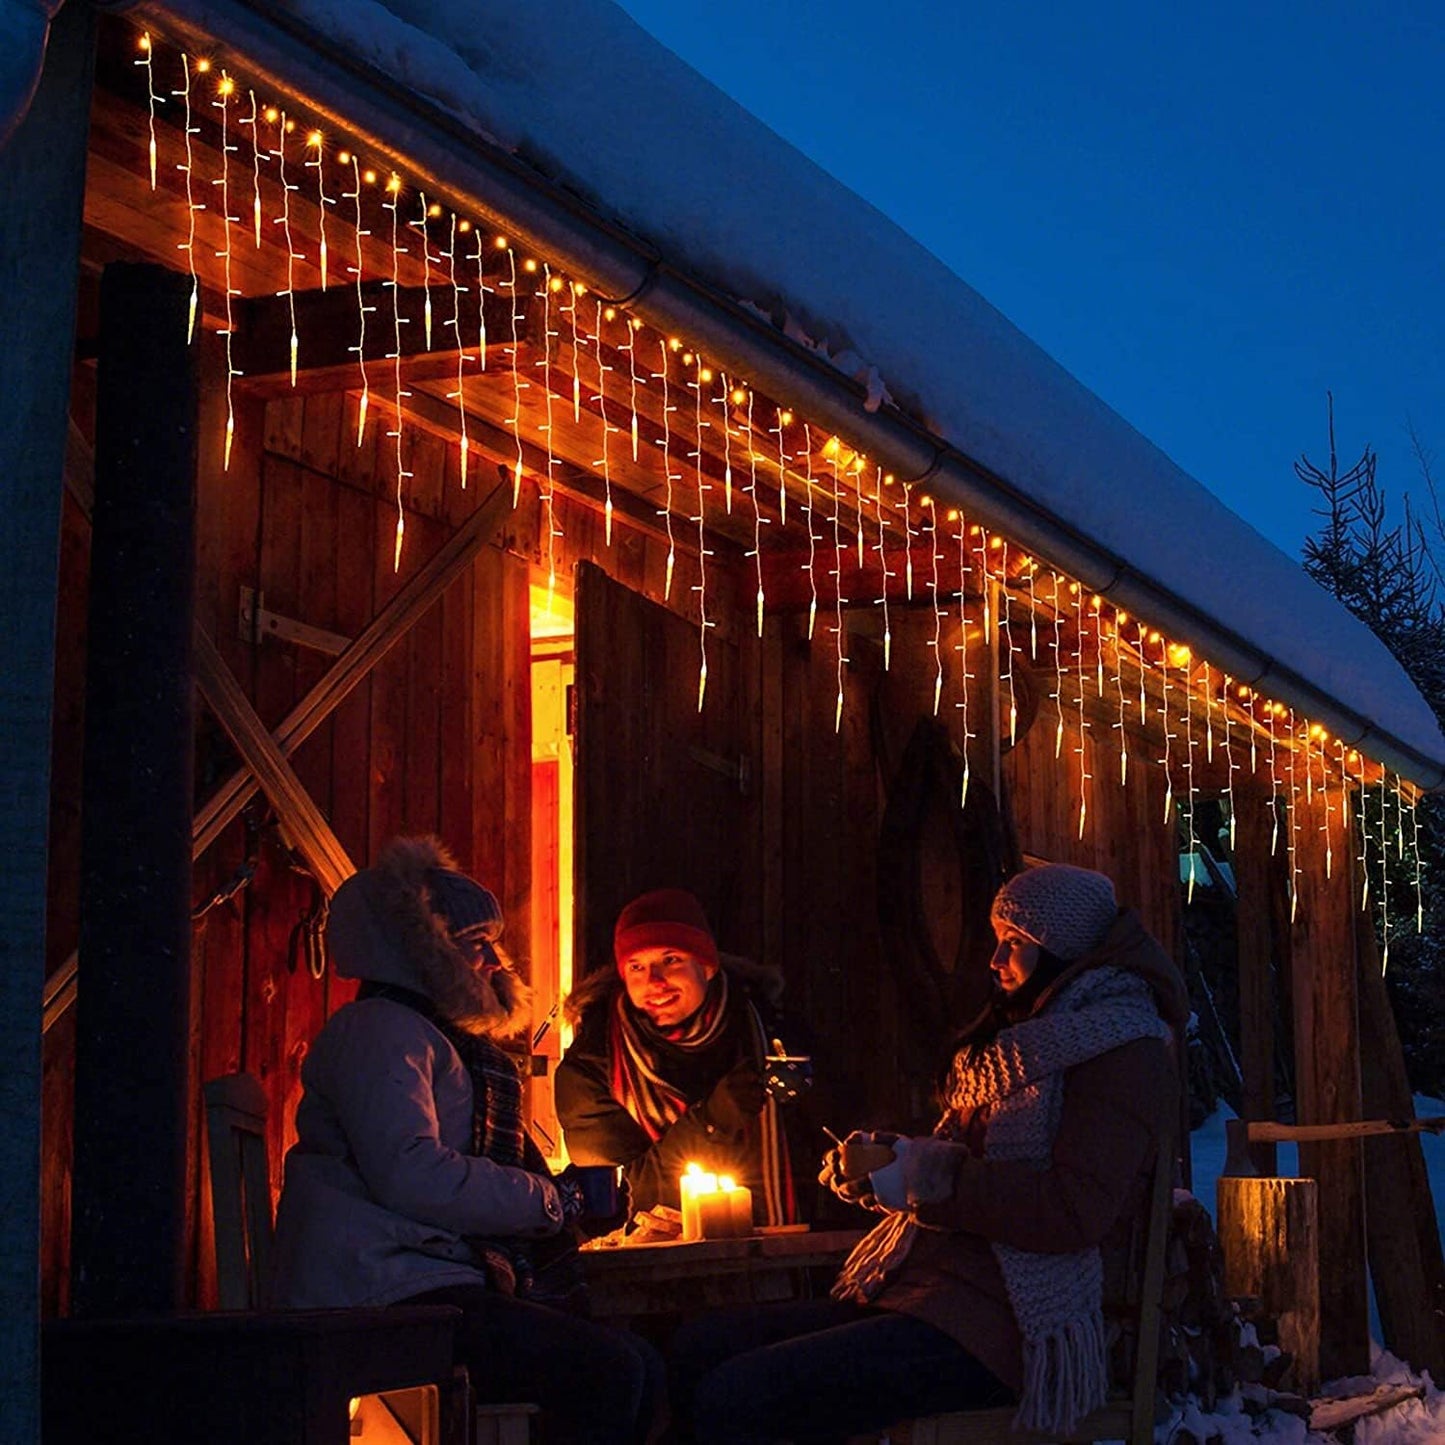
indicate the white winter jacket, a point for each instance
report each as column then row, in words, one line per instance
column 380, row 1187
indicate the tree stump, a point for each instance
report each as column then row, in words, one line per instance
column 1269, row 1234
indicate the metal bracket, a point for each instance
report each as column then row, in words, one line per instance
column 739, row 771
column 255, row 622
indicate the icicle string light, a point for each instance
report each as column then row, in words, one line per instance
column 633, row 327
column 1229, row 765
column 838, row 594
column 224, row 91
column 1419, row 868
column 1030, row 573
column 574, row 292
column 1120, row 619
column 152, row 99
column 933, row 601
column 700, row 377
column 909, row 532
column 284, row 221
column 482, row 289
column 316, row 143
column 514, row 353
column 354, row 195
column 666, row 444
column 393, row 189
column 727, row 432
column 1364, row 804
column 1329, row 823
column 421, row 229
column 784, row 417
column 1058, row 693
column 813, row 538
column 981, row 547
column 549, row 497
column 757, row 553
column 192, row 206
column 1006, row 641
column 254, row 121
column 1384, row 875
column 605, row 461
column 1292, row 841
column 459, row 395
column 882, row 566
column 1274, row 781
column 964, row 675
column 1189, row 771
column 1084, row 775
column 1169, row 735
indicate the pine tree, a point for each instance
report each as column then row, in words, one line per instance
column 1389, row 578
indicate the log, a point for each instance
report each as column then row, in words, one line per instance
column 1269, row 1237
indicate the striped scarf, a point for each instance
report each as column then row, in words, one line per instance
column 1056, row 1298
column 640, row 1086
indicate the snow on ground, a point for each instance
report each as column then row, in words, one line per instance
column 585, row 94
column 1417, row 1422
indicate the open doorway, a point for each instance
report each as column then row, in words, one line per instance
column 553, row 633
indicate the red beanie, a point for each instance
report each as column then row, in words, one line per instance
column 665, row 918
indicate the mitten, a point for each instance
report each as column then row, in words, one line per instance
column 736, row 1098
column 923, row 1171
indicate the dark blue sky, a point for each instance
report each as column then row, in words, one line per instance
column 1211, row 215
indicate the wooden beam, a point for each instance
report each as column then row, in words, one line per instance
column 329, row 334
column 388, row 628
column 1258, row 876
column 43, row 160
column 1327, row 1069
column 302, row 820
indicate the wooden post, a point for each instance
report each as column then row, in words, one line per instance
column 132, row 1028
column 1258, row 877
column 1269, row 1237
column 1403, row 1233
column 1327, row 1068
column 42, row 176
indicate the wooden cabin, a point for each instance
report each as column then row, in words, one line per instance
column 475, row 507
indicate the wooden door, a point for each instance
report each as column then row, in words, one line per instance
column 667, row 796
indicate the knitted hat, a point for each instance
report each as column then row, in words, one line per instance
column 470, row 912
column 1065, row 910
column 664, row 918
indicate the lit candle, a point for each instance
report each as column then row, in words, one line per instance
column 695, row 1184
column 740, row 1206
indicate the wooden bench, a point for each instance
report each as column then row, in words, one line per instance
column 236, row 1107
column 1126, row 1416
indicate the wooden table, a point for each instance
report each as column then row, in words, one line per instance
column 678, row 1278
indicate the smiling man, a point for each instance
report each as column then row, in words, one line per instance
column 668, row 1064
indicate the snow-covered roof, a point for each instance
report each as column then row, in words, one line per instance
column 580, row 91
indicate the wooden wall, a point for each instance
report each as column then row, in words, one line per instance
column 437, row 739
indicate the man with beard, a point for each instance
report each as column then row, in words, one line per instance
column 413, row 1178
column 668, row 1064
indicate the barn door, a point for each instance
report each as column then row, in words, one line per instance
column 666, row 796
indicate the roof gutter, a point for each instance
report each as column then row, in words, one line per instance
column 450, row 157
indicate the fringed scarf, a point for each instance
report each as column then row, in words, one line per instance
column 1056, row 1298
column 640, row 1086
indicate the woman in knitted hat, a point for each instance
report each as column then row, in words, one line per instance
column 668, row 1063
column 984, row 1281
column 413, row 1177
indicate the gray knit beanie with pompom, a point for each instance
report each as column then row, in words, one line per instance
column 1065, row 910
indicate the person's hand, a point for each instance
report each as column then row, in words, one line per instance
column 736, row 1097
column 922, row 1171
column 853, row 1188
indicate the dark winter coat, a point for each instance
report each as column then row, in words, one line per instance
column 1092, row 1194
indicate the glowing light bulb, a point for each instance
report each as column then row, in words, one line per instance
column 147, row 61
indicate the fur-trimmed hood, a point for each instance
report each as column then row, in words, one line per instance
column 384, row 926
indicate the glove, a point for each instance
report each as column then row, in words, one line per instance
column 857, row 1189
column 736, row 1098
column 923, row 1171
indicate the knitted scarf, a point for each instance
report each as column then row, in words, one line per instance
column 640, row 1086
column 1056, row 1298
